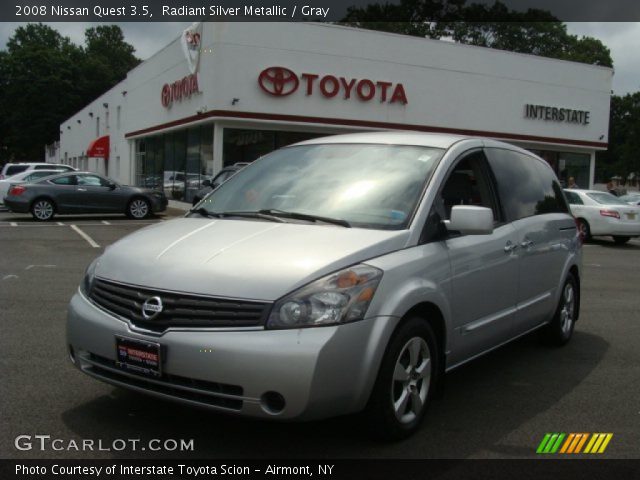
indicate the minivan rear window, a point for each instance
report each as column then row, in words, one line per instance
column 14, row 169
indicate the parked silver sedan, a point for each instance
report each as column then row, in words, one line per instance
column 82, row 192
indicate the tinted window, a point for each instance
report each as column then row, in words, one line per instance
column 573, row 198
column 66, row 180
column 13, row 169
column 526, row 186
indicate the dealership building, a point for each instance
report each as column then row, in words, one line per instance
column 222, row 93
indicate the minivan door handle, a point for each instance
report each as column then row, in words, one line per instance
column 510, row 247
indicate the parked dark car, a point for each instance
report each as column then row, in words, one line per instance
column 223, row 175
column 82, row 192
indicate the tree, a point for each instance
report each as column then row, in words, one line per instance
column 534, row 31
column 45, row 78
column 623, row 155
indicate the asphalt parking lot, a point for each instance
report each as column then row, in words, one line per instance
column 499, row 406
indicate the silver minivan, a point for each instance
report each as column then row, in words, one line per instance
column 337, row 275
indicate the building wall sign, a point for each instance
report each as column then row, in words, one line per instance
column 281, row 81
column 179, row 90
column 556, row 114
column 191, row 42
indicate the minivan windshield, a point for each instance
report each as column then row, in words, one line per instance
column 359, row 185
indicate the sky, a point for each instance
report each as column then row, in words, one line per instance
column 622, row 39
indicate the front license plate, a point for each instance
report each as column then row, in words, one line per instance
column 631, row 216
column 139, row 356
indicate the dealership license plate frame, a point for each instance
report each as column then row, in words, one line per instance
column 139, row 365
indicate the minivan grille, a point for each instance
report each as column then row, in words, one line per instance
column 178, row 309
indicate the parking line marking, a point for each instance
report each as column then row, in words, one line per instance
column 89, row 240
column 105, row 222
column 14, row 224
column 61, row 224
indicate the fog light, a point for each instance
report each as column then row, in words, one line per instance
column 272, row 402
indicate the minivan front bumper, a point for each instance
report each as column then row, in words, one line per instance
column 285, row 374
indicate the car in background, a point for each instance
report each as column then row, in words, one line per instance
column 82, row 192
column 223, row 175
column 24, row 177
column 631, row 198
column 602, row 214
column 11, row 169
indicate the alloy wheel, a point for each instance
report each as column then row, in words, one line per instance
column 43, row 210
column 139, row 208
column 411, row 380
column 568, row 309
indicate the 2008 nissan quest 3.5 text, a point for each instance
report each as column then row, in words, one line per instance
column 337, row 275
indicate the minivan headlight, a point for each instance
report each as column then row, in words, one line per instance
column 89, row 276
column 340, row 297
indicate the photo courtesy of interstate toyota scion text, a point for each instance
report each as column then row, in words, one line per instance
column 338, row 275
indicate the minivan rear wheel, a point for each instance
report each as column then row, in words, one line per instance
column 406, row 382
column 558, row 332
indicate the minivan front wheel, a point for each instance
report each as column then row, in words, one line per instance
column 559, row 330
column 405, row 382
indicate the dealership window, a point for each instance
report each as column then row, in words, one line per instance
column 178, row 161
column 567, row 165
column 244, row 145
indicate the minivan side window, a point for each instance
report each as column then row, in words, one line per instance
column 526, row 186
column 468, row 183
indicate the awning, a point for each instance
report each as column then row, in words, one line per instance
column 99, row 148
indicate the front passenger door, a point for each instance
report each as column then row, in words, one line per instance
column 484, row 268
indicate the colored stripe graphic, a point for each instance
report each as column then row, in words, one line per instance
column 573, row 443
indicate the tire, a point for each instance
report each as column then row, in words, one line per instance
column 43, row 210
column 620, row 240
column 138, row 208
column 585, row 230
column 195, row 201
column 406, row 382
column 559, row 331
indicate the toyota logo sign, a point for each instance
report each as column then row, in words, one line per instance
column 151, row 308
column 278, row 81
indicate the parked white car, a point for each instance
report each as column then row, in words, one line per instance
column 11, row 169
column 631, row 198
column 24, row 177
column 602, row 214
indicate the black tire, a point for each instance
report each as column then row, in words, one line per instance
column 138, row 208
column 195, row 201
column 388, row 417
column 620, row 240
column 585, row 230
column 43, row 210
column 559, row 331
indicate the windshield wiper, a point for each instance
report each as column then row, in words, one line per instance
column 262, row 215
column 204, row 212
column 305, row 216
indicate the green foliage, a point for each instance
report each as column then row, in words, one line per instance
column 534, row 31
column 45, row 78
column 622, row 157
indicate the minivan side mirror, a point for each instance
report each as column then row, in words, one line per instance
column 471, row 220
column 206, row 183
column 112, row 186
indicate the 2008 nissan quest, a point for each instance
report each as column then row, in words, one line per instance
column 336, row 275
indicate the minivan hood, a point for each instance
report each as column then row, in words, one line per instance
column 240, row 258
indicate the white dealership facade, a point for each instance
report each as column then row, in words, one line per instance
column 229, row 92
